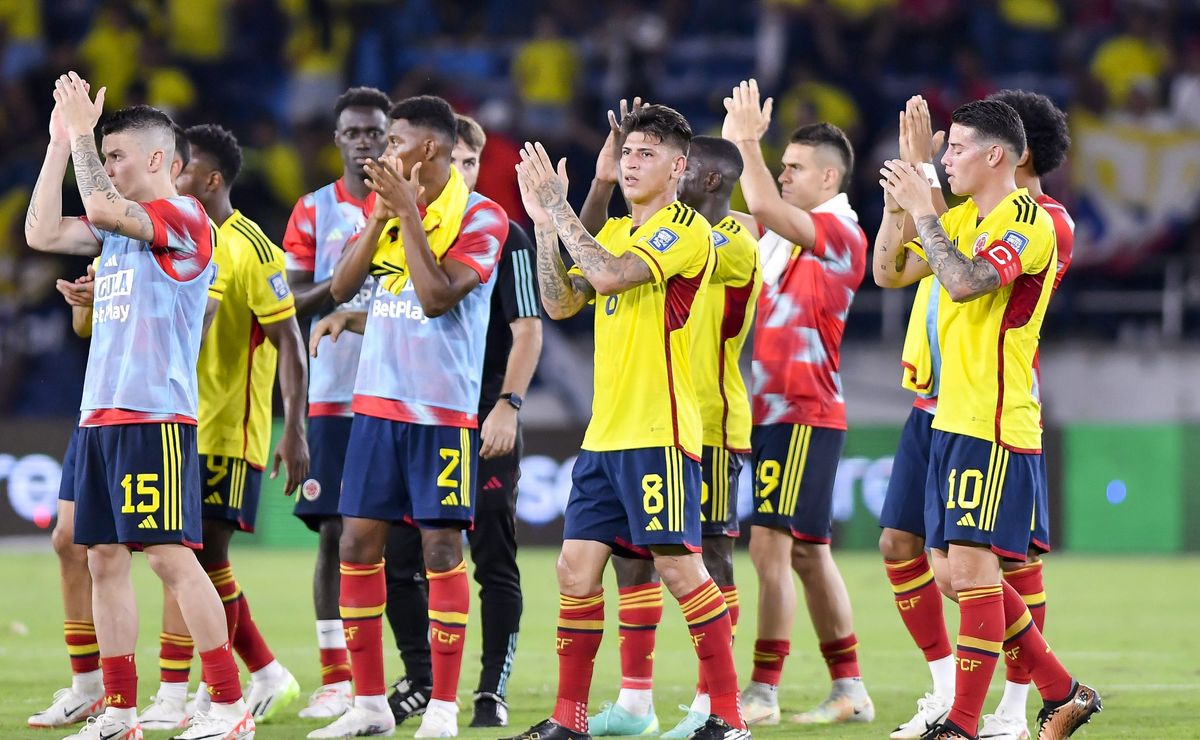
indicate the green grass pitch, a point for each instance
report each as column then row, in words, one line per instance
column 1125, row 625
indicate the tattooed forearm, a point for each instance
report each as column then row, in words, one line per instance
column 31, row 215
column 964, row 278
column 561, row 295
column 89, row 170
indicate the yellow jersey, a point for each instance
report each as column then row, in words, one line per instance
column 236, row 369
column 724, row 323
column 987, row 387
column 645, row 395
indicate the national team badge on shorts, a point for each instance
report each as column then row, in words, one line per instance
column 279, row 285
column 981, row 242
column 311, row 490
column 663, row 239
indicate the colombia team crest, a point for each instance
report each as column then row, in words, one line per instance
column 311, row 490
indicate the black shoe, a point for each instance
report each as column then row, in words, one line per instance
column 718, row 729
column 490, row 710
column 549, row 730
column 947, row 731
column 408, row 700
column 1063, row 719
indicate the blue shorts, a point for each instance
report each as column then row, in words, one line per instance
column 230, row 487
column 319, row 495
column 720, row 470
column 979, row 492
column 66, row 484
column 1039, row 540
column 795, row 466
column 137, row 484
column 396, row 471
column 904, row 503
column 632, row 500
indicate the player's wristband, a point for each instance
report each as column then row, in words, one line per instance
column 931, row 174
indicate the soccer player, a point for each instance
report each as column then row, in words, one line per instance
column 320, row 225
column 85, row 696
column 254, row 331
column 813, row 257
column 636, row 483
column 432, row 245
column 514, row 342
column 713, row 168
column 136, row 473
column 994, row 257
column 903, row 538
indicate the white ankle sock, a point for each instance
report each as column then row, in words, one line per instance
column 1013, row 703
column 91, row 682
column 701, row 704
column 638, row 702
column 268, row 672
column 942, row 671
column 372, row 703
column 852, row 687
column 175, row 691
column 230, row 712
column 128, row 716
column 330, row 634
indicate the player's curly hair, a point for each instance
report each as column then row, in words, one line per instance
column 828, row 135
column 220, row 144
column 667, row 124
column 993, row 119
column 136, row 118
column 181, row 144
column 470, row 132
column 1046, row 132
column 428, row 111
column 362, row 97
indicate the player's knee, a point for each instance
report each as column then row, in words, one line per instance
column 897, row 545
column 328, row 535
column 809, row 558
column 442, row 553
column 63, row 540
column 633, row 572
column 107, row 562
column 719, row 565
column 572, row 580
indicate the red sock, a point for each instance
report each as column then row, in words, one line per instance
column 981, row 630
column 335, row 665
column 248, row 641
column 1028, row 583
column 449, row 597
column 361, row 601
column 841, row 657
column 174, row 657
column 920, row 605
column 120, row 681
column 732, row 603
column 221, row 674
column 1025, row 646
column 580, row 629
column 227, row 587
column 768, row 660
column 82, row 647
column 640, row 611
column 712, row 635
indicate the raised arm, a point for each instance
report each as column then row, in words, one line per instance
column 606, row 273
column 745, row 124
column 964, row 278
column 608, row 170
column 45, row 228
column 353, row 268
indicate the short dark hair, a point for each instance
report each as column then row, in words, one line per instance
column 470, row 132
column 220, row 144
column 721, row 155
column 667, row 124
column 1046, row 132
column 828, row 135
column 362, row 97
column 181, row 144
column 136, row 118
column 992, row 119
column 428, row 111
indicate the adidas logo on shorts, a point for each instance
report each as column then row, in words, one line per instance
column 148, row 523
column 654, row 526
column 966, row 520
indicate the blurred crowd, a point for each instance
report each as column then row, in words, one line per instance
column 270, row 70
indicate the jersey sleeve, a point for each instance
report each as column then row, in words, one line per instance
column 516, row 282
column 1022, row 248
column 836, row 240
column 267, row 292
column 221, row 267
column 182, row 241
column 674, row 250
column 300, row 237
column 481, row 239
column 737, row 258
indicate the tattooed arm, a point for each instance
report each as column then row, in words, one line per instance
column 563, row 294
column 894, row 265
column 45, row 228
column 965, row 279
column 104, row 206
